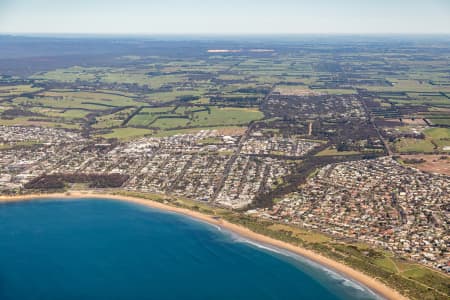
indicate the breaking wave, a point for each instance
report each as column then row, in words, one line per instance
column 333, row 275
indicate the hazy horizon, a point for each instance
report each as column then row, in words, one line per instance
column 286, row 17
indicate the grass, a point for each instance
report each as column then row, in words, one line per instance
column 226, row 116
column 126, row 133
column 148, row 115
column 440, row 136
column 173, row 95
column 52, row 103
column 142, row 120
column 440, row 121
column 202, row 100
column 97, row 97
column 16, row 90
column 433, row 136
column 407, row 85
column 386, row 263
column 109, row 75
column 171, row 123
column 442, row 101
column 155, row 110
column 432, row 279
column 183, row 117
column 140, row 77
column 70, row 74
column 304, row 235
column 410, row 145
column 416, row 284
column 334, row 152
column 429, row 99
column 26, row 121
column 113, row 120
column 69, row 114
column 413, row 281
column 74, row 100
column 438, row 133
column 336, row 91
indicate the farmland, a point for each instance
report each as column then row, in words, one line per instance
column 379, row 97
column 428, row 163
column 346, row 136
column 204, row 89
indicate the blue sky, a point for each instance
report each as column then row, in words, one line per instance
column 224, row 17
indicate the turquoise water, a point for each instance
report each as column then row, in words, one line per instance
column 106, row 249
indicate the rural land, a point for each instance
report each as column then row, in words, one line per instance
column 340, row 145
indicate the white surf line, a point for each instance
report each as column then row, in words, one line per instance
column 336, row 275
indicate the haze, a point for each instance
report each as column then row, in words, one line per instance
column 224, row 17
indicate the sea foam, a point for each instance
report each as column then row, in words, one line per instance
column 334, row 275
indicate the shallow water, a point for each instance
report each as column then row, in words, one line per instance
column 108, row 249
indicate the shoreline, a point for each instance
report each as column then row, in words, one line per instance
column 373, row 284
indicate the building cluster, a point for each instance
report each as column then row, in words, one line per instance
column 378, row 201
column 213, row 171
column 294, row 146
column 11, row 135
column 249, row 176
column 28, row 152
column 321, row 106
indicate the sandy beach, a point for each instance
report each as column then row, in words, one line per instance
column 375, row 285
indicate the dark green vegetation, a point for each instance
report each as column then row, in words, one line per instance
column 413, row 280
column 59, row 181
column 166, row 86
column 359, row 98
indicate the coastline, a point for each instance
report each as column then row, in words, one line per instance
column 373, row 284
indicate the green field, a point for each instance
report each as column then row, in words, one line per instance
column 173, row 95
column 69, row 114
column 409, row 145
column 165, row 118
column 226, row 116
column 408, row 85
column 14, row 90
column 336, row 91
column 82, row 100
column 334, row 152
column 114, row 119
column 355, row 96
column 438, row 133
column 149, row 115
column 41, row 122
column 440, row 136
column 126, row 133
column 435, row 141
column 94, row 94
column 439, row 121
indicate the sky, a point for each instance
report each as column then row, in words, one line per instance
column 225, row 16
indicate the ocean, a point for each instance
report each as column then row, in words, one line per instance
column 109, row 249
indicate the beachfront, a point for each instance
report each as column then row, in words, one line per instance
column 374, row 284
